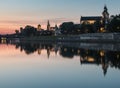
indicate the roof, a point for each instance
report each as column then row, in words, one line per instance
column 91, row 18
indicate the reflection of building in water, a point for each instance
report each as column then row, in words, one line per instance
column 47, row 47
column 102, row 53
column 104, row 61
column 39, row 51
column 0, row 39
column 93, row 57
column 104, row 58
column 48, row 52
column 3, row 40
column 105, row 65
column 101, row 57
column 56, row 48
column 68, row 52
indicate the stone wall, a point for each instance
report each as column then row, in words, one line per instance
column 93, row 37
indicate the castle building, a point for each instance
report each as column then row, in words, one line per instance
column 90, row 19
column 103, row 20
column 39, row 27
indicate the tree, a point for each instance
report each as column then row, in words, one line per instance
column 87, row 28
column 67, row 28
column 97, row 26
column 17, row 31
column 29, row 31
column 114, row 25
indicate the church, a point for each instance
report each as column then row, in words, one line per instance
column 103, row 20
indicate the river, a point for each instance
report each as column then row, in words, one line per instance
column 59, row 65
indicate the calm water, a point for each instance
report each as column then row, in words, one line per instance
column 38, row 65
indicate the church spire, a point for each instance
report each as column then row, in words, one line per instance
column 105, row 12
column 105, row 8
column 48, row 25
column 105, row 16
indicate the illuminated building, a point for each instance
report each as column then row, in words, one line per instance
column 90, row 19
column 100, row 21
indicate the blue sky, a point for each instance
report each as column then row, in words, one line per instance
column 18, row 13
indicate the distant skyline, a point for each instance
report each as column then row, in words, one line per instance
column 19, row 13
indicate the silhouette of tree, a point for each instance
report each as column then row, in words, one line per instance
column 29, row 31
column 97, row 26
column 67, row 28
column 87, row 28
column 114, row 25
column 30, row 48
column 17, row 31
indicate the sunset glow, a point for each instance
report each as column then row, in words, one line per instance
column 19, row 13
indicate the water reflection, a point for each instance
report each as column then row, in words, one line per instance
column 97, row 56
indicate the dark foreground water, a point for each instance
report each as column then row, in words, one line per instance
column 46, row 65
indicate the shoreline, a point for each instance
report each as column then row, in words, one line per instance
column 87, row 38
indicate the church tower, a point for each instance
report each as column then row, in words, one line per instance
column 39, row 27
column 48, row 25
column 105, row 16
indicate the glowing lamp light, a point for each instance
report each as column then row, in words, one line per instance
column 102, row 53
column 90, row 59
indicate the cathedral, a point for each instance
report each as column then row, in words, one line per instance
column 105, row 16
column 103, row 20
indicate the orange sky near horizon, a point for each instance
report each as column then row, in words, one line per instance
column 19, row 13
column 9, row 26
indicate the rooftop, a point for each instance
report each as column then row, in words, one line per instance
column 91, row 18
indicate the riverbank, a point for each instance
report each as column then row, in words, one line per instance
column 90, row 38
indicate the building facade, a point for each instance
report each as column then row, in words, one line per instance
column 99, row 22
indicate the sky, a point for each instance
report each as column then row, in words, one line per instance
column 19, row 13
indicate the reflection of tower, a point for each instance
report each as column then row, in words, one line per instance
column 104, row 62
column 48, row 25
column 105, row 67
column 39, row 51
column 56, row 49
column 48, row 52
column 105, row 17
